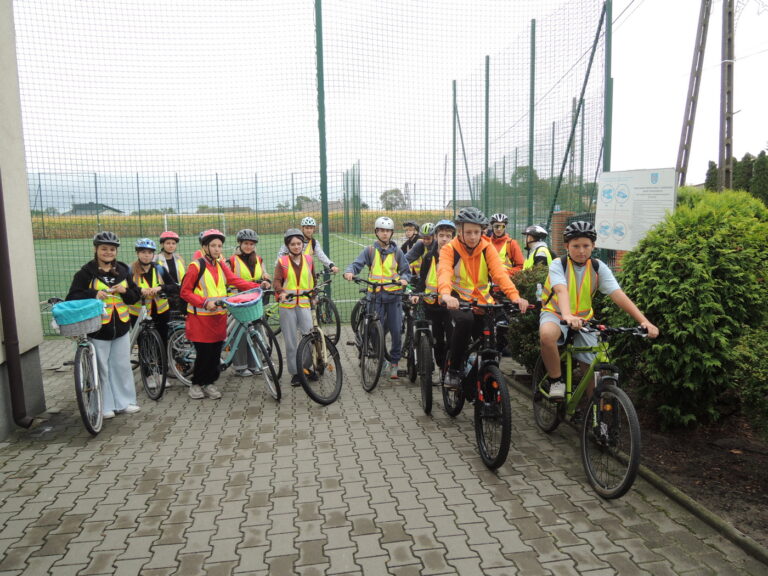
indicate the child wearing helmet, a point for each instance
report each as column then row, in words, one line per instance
column 568, row 290
column 311, row 246
column 509, row 250
column 248, row 265
column 536, row 247
column 468, row 264
column 442, row 325
column 152, row 279
column 416, row 254
column 204, row 284
column 411, row 230
column 386, row 263
column 294, row 272
column 110, row 281
column 168, row 258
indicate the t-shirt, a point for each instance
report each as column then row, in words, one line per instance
column 606, row 281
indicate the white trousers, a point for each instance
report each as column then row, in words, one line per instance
column 115, row 373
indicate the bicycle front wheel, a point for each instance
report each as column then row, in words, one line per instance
column 610, row 442
column 546, row 412
column 152, row 363
column 328, row 318
column 356, row 317
column 372, row 353
column 181, row 356
column 453, row 398
column 267, row 368
column 424, row 363
column 493, row 418
column 320, row 371
column 87, row 388
column 272, row 345
column 410, row 357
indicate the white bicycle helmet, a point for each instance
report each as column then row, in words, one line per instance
column 308, row 221
column 384, row 223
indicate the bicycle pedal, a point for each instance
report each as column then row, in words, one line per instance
column 402, row 372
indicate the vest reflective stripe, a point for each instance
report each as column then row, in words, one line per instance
column 181, row 268
column 385, row 271
column 160, row 303
column 416, row 264
column 580, row 297
column 112, row 303
column 431, row 282
column 242, row 271
column 208, row 288
column 291, row 284
column 465, row 286
column 532, row 256
column 505, row 259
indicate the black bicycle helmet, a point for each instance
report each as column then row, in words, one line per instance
column 499, row 218
column 472, row 215
column 579, row 229
column 247, row 234
column 290, row 233
column 105, row 237
column 411, row 223
column 538, row 232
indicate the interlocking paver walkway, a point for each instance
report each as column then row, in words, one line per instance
column 369, row 485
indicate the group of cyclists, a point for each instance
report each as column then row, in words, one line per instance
column 447, row 262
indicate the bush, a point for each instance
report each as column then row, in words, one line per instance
column 700, row 277
column 523, row 339
column 751, row 379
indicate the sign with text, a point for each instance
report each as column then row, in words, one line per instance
column 629, row 203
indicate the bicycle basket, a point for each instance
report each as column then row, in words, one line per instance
column 246, row 306
column 77, row 317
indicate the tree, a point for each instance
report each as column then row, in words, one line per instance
column 710, row 181
column 393, row 200
column 758, row 186
column 742, row 172
column 302, row 201
column 283, row 207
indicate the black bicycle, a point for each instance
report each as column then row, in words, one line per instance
column 418, row 344
column 369, row 333
column 483, row 385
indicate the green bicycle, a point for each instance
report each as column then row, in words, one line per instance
column 610, row 429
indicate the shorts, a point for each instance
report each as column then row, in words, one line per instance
column 582, row 339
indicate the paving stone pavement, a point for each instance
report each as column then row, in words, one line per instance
column 368, row 485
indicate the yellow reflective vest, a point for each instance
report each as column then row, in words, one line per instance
column 528, row 264
column 579, row 296
column 292, row 284
column 431, row 282
column 181, row 268
column 464, row 285
column 161, row 304
column 242, row 271
column 113, row 303
column 208, row 288
column 384, row 271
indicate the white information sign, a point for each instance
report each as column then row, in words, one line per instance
column 629, row 203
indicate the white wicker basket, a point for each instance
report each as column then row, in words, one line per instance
column 80, row 328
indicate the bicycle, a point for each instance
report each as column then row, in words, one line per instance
column 483, row 385
column 87, row 387
column 246, row 307
column 610, row 429
column 418, row 344
column 152, row 359
column 320, row 370
column 369, row 333
column 327, row 313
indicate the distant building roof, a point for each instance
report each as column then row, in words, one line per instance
column 92, row 208
column 460, row 203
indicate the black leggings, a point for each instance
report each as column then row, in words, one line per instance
column 465, row 326
column 442, row 327
column 206, row 370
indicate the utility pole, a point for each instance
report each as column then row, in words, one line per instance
column 686, row 136
column 725, row 164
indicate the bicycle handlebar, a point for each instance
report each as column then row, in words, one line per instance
column 594, row 326
column 358, row 280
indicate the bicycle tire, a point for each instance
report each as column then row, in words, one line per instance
column 328, row 318
column 371, row 353
column 424, row 363
column 610, row 442
column 272, row 315
column 356, row 317
column 493, row 418
column 152, row 363
column 453, row 398
column 273, row 346
column 267, row 368
column 320, row 377
column 88, row 389
column 181, row 355
column 410, row 355
column 546, row 413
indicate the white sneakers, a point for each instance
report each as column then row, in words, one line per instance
column 131, row 409
column 557, row 390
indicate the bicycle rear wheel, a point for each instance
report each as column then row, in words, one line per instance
column 181, row 356
column 267, row 368
column 272, row 345
column 546, row 412
column 493, row 418
column 356, row 317
column 328, row 318
column 320, row 372
column 88, row 389
column 424, row 363
column 371, row 353
column 453, row 398
column 152, row 364
column 409, row 347
column 610, row 442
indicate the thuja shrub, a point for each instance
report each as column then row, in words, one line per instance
column 700, row 277
column 523, row 338
column 751, row 379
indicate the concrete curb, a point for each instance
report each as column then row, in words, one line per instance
column 750, row 546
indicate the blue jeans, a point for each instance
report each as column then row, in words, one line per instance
column 390, row 310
